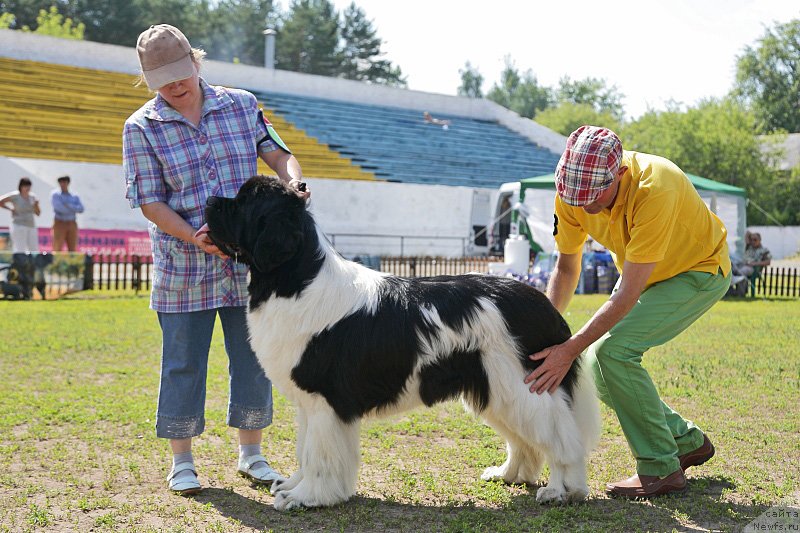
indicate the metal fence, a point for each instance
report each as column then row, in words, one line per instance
column 413, row 267
column 120, row 272
column 778, row 282
column 135, row 272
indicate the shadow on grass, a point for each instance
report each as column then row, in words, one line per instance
column 701, row 508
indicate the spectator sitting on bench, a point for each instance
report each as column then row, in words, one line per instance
column 756, row 257
column 445, row 124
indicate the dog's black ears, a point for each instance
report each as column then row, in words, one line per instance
column 276, row 245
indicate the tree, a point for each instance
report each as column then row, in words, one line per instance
column 768, row 78
column 52, row 23
column 717, row 140
column 566, row 117
column 520, row 93
column 361, row 51
column 237, row 30
column 26, row 11
column 308, row 40
column 311, row 36
column 593, row 92
column 121, row 21
column 192, row 17
column 109, row 21
column 471, row 82
column 7, row 20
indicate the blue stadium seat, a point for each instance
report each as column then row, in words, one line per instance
column 398, row 145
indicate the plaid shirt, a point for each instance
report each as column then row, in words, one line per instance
column 167, row 159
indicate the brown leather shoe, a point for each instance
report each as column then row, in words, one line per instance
column 698, row 456
column 642, row 487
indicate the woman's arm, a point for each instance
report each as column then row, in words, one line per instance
column 4, row 200
column 168, row 221
column 287, row 167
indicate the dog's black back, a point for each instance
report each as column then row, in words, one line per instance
column 376, row 353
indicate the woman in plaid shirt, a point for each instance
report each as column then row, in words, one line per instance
column 192, row 141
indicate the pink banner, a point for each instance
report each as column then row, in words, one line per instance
column 96, row 241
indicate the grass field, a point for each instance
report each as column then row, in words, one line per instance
column 77, row 448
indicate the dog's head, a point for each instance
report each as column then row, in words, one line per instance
column 261, row 226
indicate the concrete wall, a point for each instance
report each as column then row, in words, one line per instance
column 100, row 186
column 341, row 207
column 19, row 45
column 782, row 241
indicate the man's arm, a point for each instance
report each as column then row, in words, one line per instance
column 564, row 280
column 77, row 206
column 58, row 205
column 559, row 358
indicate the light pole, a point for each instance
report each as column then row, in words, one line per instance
column 269, row 48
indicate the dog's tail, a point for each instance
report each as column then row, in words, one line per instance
column 586, row 407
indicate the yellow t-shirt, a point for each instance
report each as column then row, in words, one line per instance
column 657, row 217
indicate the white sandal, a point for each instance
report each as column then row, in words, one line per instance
column 185, row 486
column 260, row 474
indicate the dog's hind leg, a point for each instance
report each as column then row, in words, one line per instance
column 329, row 463
column 286, row 484
column 548, row 427
column 523, row 463
column 568, row 468
column 566, row 453
column 585, row 415
column 567, row 483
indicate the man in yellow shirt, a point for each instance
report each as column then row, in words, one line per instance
column 673, row 256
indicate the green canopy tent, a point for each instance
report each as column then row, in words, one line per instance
column 538, row 194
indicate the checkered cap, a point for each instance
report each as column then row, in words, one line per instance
column 588, row 165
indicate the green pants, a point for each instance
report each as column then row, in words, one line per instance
column 656, row 434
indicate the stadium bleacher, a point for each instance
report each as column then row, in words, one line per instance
column 51, row 111
column 398, row 145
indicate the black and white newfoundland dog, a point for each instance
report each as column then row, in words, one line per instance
column 343, row 342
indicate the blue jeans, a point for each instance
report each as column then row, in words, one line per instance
column 184, row 365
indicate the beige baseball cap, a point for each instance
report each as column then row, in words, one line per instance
column 165, row 55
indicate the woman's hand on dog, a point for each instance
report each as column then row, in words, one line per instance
column 557, row 360
column 202, row 241
column 301, row 188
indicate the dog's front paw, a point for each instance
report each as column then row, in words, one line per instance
column 284, row 484
column 494, row 473
column 577, row 495
column 550, row 494
column 278, row 485
column 285, row 500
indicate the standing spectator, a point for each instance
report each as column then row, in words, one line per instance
column 23, row 206
column 190, row 142
column 756, row 257
column 65, row 206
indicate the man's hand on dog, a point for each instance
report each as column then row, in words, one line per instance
column 557, row 360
